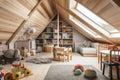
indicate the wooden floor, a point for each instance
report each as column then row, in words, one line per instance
column 40, row 70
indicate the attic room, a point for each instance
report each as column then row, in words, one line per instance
column 59, row 40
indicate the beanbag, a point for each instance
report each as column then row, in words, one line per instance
column 90, row 73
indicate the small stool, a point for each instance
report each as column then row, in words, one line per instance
column 110, row 69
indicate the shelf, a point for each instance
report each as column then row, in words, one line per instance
column 50, row 34
column 67, row 44
column 39, row 38
column 48, row 38
column 67, row 39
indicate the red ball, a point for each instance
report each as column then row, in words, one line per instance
column 79, row 67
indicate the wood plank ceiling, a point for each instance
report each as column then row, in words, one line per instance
column 16, row 15
column 105, row 9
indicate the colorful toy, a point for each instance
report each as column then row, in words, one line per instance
column 17, row 75
column 77, row 72
column 27, row 71
column 1, row 75
column 8, row 76
column 18, row 71
column 90, row 73
column 79, row 67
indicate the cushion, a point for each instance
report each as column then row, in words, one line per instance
column 87, row 43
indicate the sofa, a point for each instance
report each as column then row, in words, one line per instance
column 88, row 48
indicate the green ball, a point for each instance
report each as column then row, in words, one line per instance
column 77, row 72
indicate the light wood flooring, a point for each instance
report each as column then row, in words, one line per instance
column 40, row 70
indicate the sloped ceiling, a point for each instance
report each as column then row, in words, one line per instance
column 15, row 16
column 105, row 9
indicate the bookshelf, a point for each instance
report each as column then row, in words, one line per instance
column 50, row 35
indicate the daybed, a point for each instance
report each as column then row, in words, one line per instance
column 87, row 48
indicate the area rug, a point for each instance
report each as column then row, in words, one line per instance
column 39, row 60
column 65, row 72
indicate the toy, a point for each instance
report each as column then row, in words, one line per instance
column 1, row 75
column 27, row 71
column 18, row 71
column 17, row 75
column 77, row 72
column 79, row 67
column 8, row 76
column 90, row 73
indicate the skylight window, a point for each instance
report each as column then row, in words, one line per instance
column 92, row 19
column 96, row 19
column 91, row 22
column 85, row 28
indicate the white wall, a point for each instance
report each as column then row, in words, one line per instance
column 78, row 38
column 33, row 44
column 11, row 45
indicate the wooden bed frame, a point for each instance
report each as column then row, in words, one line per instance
column 89, row 54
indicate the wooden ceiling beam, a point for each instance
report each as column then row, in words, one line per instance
column 71, row 13
column 46, row 10
column 24, row 22
column 50, row 10
column 3, row 31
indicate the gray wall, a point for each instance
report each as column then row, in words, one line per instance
column 78, row 38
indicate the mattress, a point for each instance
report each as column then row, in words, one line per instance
column 88, row 50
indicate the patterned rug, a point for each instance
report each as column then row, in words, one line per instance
column 65, row 72
column 39, row 60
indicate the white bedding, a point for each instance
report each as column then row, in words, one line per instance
column 88, row 50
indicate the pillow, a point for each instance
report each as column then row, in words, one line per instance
column 87, row 43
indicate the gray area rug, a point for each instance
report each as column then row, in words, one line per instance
column 39, row 60
column 65, row 72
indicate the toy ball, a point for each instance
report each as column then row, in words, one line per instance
column 79, row 67
column 77, row 72
column 90, row 73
